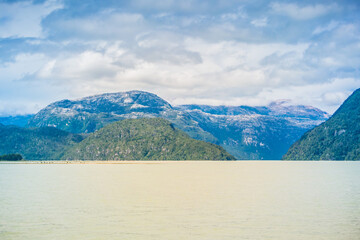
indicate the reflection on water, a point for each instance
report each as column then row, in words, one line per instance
column 181, row 200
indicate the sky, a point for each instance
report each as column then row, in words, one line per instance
column 234, row 52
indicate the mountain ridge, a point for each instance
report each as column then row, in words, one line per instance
column 245, row 132
column 256, row 132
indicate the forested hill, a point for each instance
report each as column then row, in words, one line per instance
column 336, row 139
column 144, row 139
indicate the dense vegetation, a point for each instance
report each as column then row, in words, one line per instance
column 336, row 139
column 144, row 139
column 11, row 157
column 36, row 143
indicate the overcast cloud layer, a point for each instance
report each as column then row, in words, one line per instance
column 191, row 51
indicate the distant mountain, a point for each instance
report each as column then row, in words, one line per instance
column 144, row 139
column 36, row 144
column 280, row 108
column 256, row 132
column 17, row 120
column 89, row 114
column 245, row 132
column 336, row 139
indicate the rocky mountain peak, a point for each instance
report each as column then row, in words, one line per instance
column 112, row 102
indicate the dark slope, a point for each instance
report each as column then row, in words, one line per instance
column 44, row 143
column 336, row 139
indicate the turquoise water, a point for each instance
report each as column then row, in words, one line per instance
column 181, row 200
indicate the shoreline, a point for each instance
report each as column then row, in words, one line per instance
column 79, row 162
column 150, row 161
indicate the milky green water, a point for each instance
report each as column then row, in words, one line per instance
column 181, row 200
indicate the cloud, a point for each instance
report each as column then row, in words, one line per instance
column 221, row 52
column 193, row 70
column 18, row 107
column 21, row 66
column 199, row 69
column 23, row 19
column 19, row 95
column 329, row 95
column 260, row 22
column 302, row 12
column 184, row 6
column 329, row 27
column 106, row 25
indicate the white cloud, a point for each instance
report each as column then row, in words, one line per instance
column 15, row 107
column 332, row 25
column 226, row 70
column 302, row 12
column 108, row 24
column 223, row 58
column 178, row 6
column 20, row 95
column 23, row 19
column 235, row 15
column 260, row 22
column 328, row 95
column 21, row 66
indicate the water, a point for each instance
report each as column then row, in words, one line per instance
column 181, row 200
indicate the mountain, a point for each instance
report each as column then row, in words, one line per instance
column 36, row 144
column 17, row 120
column 144, row 139
column 245, row 132
column 89, row 114
column 336, row 139
column 256, row 132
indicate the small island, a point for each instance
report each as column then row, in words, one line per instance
column 11, row 157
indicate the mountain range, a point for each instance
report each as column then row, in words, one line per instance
column 141, row 125
column 245, row 132
column 256, row 132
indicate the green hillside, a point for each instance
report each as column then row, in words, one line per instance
column 336, row 139
column 144, row 139
column 36, row 143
